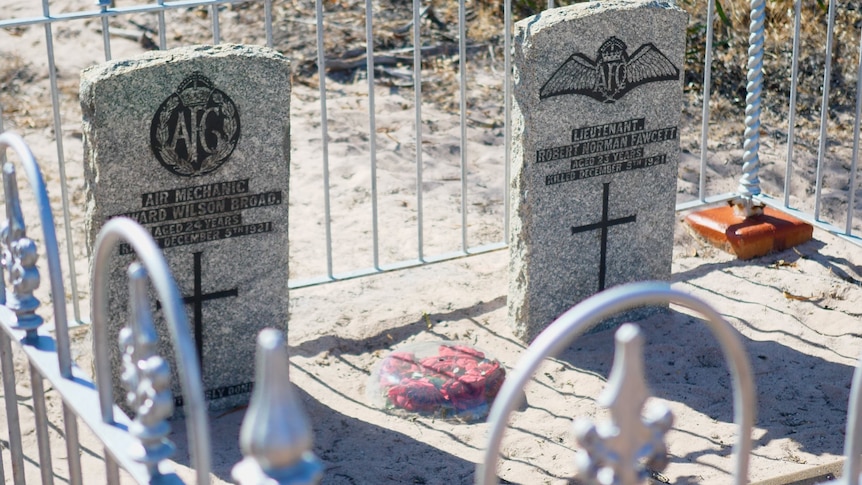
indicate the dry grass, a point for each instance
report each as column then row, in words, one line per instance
column 344, row 37
column 730, row 53
column 14, row 74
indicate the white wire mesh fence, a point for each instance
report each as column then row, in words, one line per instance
column 400, row 154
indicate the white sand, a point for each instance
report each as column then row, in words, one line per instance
column 803, row 350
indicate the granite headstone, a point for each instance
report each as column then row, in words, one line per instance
column 597, row 102
column 194, row 144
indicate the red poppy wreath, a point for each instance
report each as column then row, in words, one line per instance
column 457, row 382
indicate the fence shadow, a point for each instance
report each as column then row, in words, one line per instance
column 801, row 397
column 353, row 451
column 385, row 338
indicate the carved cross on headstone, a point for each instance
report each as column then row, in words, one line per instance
column 197, row 299
column 604, row 224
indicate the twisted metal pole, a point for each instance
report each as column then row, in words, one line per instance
column 749, row 183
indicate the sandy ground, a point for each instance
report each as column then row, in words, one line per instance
column 797, row 310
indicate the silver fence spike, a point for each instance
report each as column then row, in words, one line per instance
column 147, row 377
column 275, row 436
column 19, row 259
column 625, row 450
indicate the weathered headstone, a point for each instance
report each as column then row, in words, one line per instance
column 193, row 143
column 597, row 102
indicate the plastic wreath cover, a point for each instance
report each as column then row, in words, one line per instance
column 438, row 379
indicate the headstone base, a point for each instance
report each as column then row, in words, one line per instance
column 748, row 237
column 631, row 316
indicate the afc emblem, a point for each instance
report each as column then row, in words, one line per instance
column 195, row 129
column 613, row 74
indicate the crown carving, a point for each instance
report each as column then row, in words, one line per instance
column 195, row 90
column 612, row 50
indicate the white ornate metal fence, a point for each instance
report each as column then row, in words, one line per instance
column 325, row 263
column 275, row 437
column 794, row 164
column 626, row 449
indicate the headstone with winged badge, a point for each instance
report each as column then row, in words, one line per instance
column 193, row 144
column 597, row 102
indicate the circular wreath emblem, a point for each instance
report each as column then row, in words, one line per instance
column 196, row 129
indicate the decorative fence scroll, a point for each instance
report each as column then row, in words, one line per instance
column 581, row 318
column 276, row 436
column 145, row 373
column 20, row 321
column 626, row 385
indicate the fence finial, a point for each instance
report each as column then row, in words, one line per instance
column 626, row 449
column 275, row 437
column 147, row 377
column 19, row 259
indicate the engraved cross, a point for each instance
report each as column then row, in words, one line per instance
column 197, row 299
column 604, row 224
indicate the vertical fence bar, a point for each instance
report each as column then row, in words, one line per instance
column 73, row 459
column 324, row 136
column 7, row 371
column 45, row 467
column 106, row 35
column 163, row 37
column 848, row 229
column 417, row 101
column 372, row 127
column 794, row 81
column 2, row 471
column 16, row 449
column 61, row 168
column 267, row 18
column 824, row 110
column 507, row 112
column 462, row 71
column 215, row 26
column 112, row 470
column 707, row 93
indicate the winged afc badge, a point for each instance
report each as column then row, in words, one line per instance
column 613, row 74
column 195, row 129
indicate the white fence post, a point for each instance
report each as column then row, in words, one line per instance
column 147, row 377
column 749, row 183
